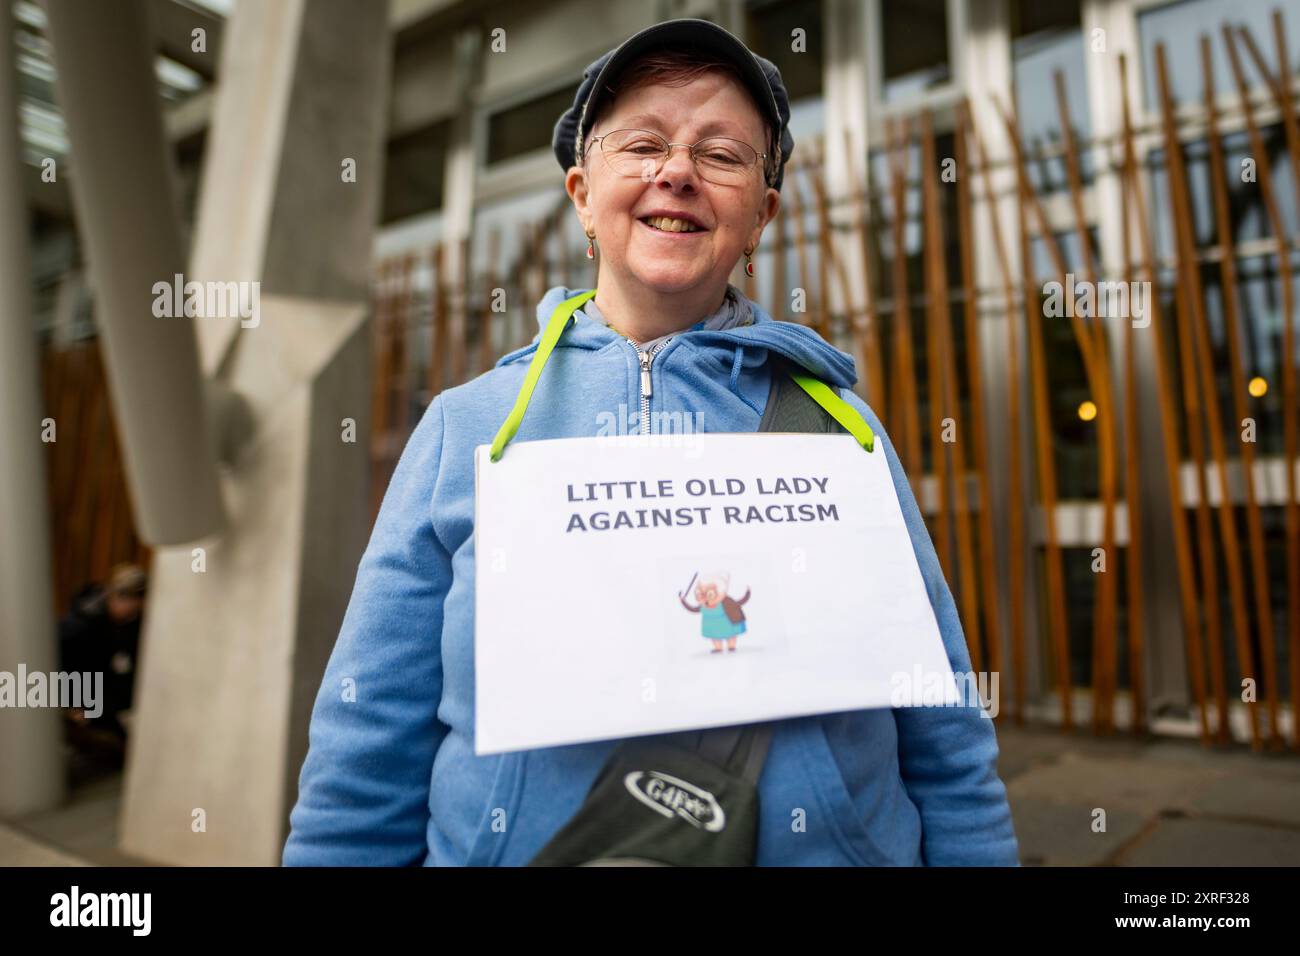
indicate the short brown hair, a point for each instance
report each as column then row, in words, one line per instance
column 678, row 68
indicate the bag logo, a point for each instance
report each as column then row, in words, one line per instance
column 671, row 796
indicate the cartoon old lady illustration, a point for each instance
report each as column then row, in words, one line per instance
column 721, row 618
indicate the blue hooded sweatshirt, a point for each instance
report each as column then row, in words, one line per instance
column 391, row 777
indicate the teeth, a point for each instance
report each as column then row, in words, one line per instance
column 671, row 225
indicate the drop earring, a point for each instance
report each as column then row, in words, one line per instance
column 591, row 245
column 749, row 263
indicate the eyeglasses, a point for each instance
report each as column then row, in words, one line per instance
column 641, row 153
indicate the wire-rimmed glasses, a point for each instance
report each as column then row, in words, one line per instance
column 642, row 153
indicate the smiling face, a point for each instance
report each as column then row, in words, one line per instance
column 730, row 218
column 708, row 594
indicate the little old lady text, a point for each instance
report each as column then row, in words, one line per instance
column 683, row 515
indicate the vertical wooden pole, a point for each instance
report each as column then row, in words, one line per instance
column 907, row 415
column 974, row 373
column 486, row 352
column 1015, row 495
column 824, row 245
column 1132, row 479
column 1169, row 431
column 800, row 244
column 564, row 255
column 402, row 323
column 780, row 288
column 438, row 338
column 1290, row 401
column 1264, row 605
column 866, row 333
column 382, row 355
column 950, row 393
column 1190, row 321
column 1104, row 638
column 936, row 298
column 1232, row 324
column 832, row 261
column 459, row 351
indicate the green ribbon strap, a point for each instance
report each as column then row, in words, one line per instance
column 837, row 408
column 558, row 322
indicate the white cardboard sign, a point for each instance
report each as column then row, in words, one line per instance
column 591, row 553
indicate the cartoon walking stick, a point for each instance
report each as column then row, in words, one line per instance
column 688, row 587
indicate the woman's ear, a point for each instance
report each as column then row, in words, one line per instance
column 767, row 210
column 575, row 184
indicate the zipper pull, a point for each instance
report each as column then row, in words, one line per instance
column 645, row 374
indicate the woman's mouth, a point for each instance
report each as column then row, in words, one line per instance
column 671, row 227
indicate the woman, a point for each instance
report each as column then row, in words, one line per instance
column 715, row 609
column 391, row 776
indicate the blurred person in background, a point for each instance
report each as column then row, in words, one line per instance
column 101, row 634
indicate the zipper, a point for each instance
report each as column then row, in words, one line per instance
column 645, row 358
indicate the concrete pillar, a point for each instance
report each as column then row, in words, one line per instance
column 240, row 625
column 127, row 217
column 31, row 765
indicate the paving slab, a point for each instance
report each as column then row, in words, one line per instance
column 1198, row 842
column 1053, row 833
column 1126, row 783
column 1251, row 799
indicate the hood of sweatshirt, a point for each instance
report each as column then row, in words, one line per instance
column 749, row 343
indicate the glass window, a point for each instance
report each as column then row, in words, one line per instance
column 414, row 172
column 1179, row 27
column 770, row 33
column 521, row 129
column 914, row 44
column 1047, row 37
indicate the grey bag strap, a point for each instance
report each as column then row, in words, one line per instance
column 790, row 408
column 742, row 749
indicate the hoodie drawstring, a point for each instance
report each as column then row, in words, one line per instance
column 735, row 377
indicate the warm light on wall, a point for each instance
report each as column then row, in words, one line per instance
column 1258, row 386
column 1087, row 411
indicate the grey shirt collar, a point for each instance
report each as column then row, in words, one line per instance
column 735, row 311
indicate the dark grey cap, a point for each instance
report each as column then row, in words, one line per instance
column 761, row 77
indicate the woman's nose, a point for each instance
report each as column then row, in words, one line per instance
column 678, row 170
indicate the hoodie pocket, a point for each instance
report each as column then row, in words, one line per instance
column 844, row 820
